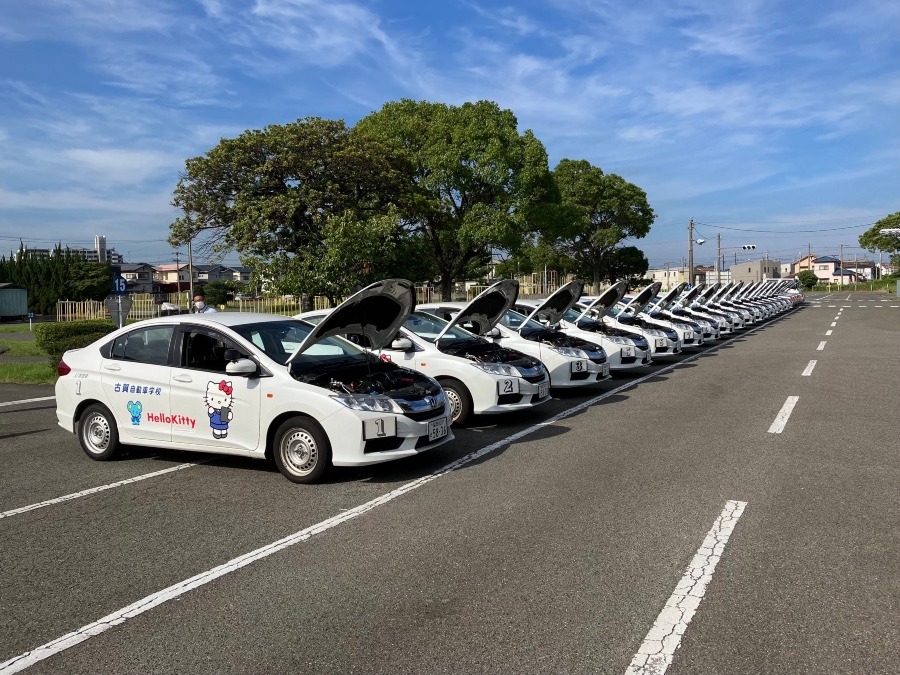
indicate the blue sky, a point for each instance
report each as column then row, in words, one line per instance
column 772, row 123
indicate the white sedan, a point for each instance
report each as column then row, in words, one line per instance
column 478, row 376
column 256, row 385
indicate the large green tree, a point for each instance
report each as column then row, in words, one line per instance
column 873, row 240
column 598, row 212
column 475, row 184
column 272, row 195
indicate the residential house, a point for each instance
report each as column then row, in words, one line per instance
column 140, row 277
column 668, row 277
column 828, row 269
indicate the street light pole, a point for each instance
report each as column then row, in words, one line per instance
column 690, row 279
column 718, row 258
column 841, row 280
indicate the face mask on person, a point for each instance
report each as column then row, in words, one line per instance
column 199, row 304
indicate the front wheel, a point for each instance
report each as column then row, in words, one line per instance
column 460, row 401
column 98, row 433
column 302, row 451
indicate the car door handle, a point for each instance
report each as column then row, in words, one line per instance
column 182, row 378
column 112, row 366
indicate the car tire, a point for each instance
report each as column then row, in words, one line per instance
column 301, row 450
column 98, row 433
column 460, row 401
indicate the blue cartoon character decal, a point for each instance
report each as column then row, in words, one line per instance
column 218, row 401
column 135, row 409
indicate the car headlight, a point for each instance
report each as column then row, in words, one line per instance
column 652, row 332
column 616, row 340
column 497, row 369
column 368, row 403
column 571, row 352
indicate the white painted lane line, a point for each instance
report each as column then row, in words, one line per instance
column 894, row 305
column 658, row 649
column 878, row 306
column 95, row 490
column 27, row 400
column 837, row 317
column 832, row 305
column 782, row 417
column 828, row 332
column 29, row 658
column 809, row 368
column 821, row 345
column 833, row 324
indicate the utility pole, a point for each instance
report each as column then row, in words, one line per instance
column 690, row 279
column 841, row 280
column 177, row 275
column 191, row 267
column 718, row 258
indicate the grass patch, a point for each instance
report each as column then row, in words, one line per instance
column 13, row 327
column 27, row 373
column 22, row 348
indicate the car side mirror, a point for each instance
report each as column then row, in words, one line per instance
column 232, row 354
column 493, row 332
column 402, row 344
column 240, row 367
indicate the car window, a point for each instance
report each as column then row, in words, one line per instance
column 145, row 345
column 428, row 327
column 278, row 340
column 202, row 349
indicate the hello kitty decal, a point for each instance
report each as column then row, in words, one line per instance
column 219, row 400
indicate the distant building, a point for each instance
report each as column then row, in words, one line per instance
column 828, row 269
column 668, row 277
column 756, row 270
column 140, row 277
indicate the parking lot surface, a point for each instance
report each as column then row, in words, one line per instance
column 733, row 511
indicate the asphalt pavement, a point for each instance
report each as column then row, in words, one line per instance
column 542, row 542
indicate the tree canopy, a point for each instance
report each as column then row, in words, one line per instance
column 598, row 212
column 416, row 189
column 475, row 182
column 62, row 276
column 873, row 240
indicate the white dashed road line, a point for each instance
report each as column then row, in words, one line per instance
column 809, row 368
column 27, row 400
column 95, row 490
column 658, row 649
column 828, row 332
column 821, row 345
column 783, row 415
column 833, row 324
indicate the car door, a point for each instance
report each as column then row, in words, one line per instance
column 211, row 408
column 134, row 375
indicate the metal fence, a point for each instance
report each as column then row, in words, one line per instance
column 146, row 305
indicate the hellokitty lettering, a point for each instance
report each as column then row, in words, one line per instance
column 219, row 400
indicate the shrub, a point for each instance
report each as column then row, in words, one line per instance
column 56, row 338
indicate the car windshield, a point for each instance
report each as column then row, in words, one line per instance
column 279, row 339
column 589, row 322
column 428, row 327
column 519, row 322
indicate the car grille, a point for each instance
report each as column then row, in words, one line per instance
column 580, row 376
column 508, row 399
column 425, row 414
column 534, row 379
column 384, row 444
column 598, row 359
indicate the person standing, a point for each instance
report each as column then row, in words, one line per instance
column 200, row 306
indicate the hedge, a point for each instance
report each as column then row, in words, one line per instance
column 57, row 338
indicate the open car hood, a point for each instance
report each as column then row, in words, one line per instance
column 663, row 303
column 607, row 299
column 486, row 309
column 376, row 311
column 637, row 304
column 708, row 293
column 558, row 303
column 688, row 298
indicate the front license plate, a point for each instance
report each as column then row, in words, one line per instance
column 579, row 366
column 510, row 386
column 437, row 429
column 628, row 351
column 543, row 389
column 379, row 428
column 660, row 342
column 605, row 370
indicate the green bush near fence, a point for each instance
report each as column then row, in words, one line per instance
column 56, row 338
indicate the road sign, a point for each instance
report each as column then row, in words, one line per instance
column 120, row 286
column 118, row 307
